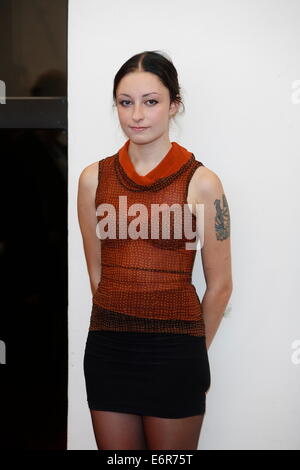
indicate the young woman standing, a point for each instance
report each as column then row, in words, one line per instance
column 146, row 365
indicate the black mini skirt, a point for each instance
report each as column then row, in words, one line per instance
column 150, row 374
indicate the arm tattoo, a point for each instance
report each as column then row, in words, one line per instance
column 222, row 219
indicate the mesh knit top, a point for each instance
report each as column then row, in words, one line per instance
column 146, row 276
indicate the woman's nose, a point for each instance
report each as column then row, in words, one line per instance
column 137, row 112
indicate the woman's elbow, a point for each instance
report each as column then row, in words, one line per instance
column 225, row 287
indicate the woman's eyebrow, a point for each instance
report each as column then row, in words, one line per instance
column 146, row 94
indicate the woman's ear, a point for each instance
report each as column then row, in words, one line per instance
column 174, row 107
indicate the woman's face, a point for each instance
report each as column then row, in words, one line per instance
column 151, row 112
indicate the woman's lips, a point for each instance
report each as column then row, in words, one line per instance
column 138, row 129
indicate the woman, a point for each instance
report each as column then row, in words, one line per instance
column 146, row 364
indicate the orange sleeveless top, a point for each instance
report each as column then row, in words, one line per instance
column 146, row 272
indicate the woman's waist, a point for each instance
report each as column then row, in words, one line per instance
column 144, row 278
column 167, row 301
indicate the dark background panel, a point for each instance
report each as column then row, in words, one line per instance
column 33, row 229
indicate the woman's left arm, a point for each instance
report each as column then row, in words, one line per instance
column 215, row 251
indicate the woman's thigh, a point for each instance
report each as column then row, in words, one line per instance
column 118, row 431
column 178, row 433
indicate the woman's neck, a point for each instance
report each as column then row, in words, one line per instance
column 145, row 157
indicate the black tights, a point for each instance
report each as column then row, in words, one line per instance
column 123, row 431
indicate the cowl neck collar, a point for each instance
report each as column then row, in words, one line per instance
column 176, row 157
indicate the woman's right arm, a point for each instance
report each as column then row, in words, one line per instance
column 87, row 186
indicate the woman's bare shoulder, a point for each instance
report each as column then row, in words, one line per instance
column 89, row 175
column 204, row 181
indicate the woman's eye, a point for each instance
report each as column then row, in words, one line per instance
column 123, row 101
column 127, row 101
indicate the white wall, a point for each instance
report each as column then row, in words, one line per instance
column 237, row 62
